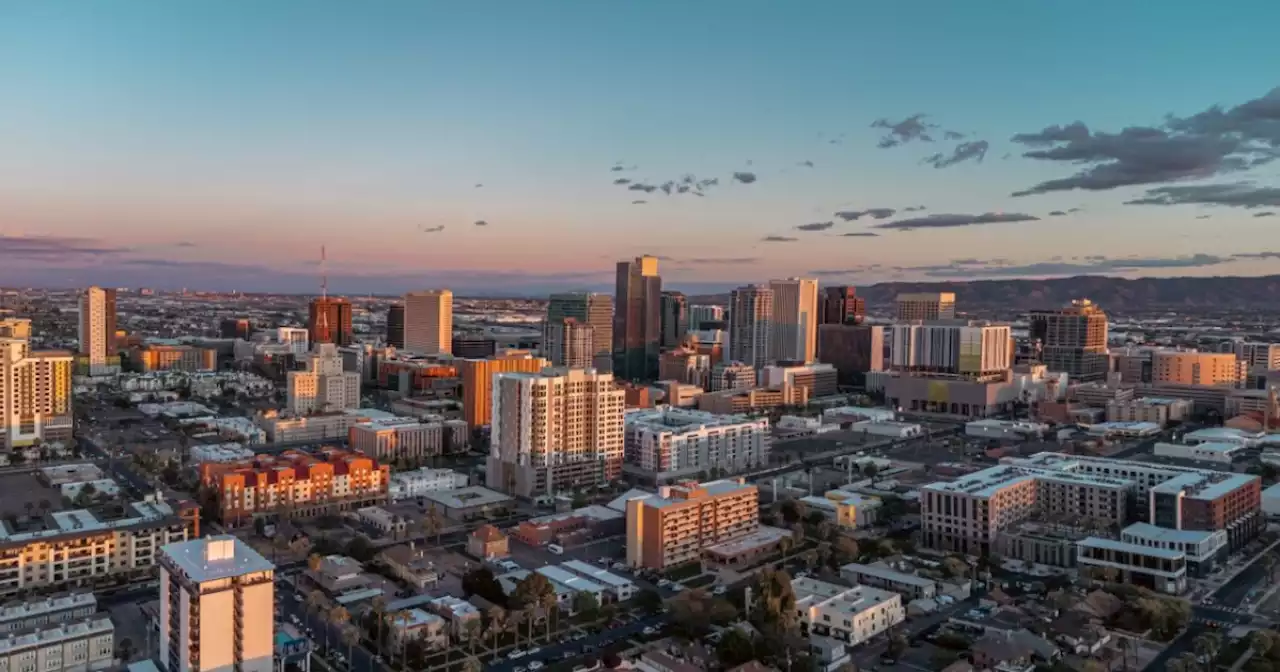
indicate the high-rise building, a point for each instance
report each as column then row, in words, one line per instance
column 675, row 319
column 673, row 527
column 395, row 325
column 1073, row 340
column 637, row 319
column 1258, row 355
column 35, row 389
column 593, row 309
column 794, row 320
column 217, row 607
column 325, row 386
column 474, row 346
column 854, row 349
column 329, row 320
column 967, row 350
column 842, row 305
column 241, row 328
column 428, row 322
column 557, row 430
column 750, row 309
column 701, row 314
column 926, row 306
column 297, row 338
column 477, row 381
column 1217, row 369
column 97, row 330
column 569, row 343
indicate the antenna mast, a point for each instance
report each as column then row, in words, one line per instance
column 322, row 318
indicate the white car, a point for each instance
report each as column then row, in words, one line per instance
column 533, row 651
column 649, row 630
column 535, row 665
column 719, row 590
column 515, row 655
column 677, row 587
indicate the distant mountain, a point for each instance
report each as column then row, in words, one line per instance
column 1113, row 294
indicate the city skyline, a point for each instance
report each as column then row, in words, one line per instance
column 190, row 146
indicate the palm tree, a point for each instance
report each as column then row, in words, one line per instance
column 471, row 665
column 497, row 623
column 471, row 630
column 550, row 607
column 379, row 612
column 513, row 622
column 350, row 637
column 339, row 616
column 403, row 618
column 315, row 603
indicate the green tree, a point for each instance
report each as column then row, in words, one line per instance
column 736, row 648
column 125, row 647
column 649, row 600
column 586, row 605
column 777, row 600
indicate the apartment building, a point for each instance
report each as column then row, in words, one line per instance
column 97, row 330
column 819, row 378
column 408, row 440
column 925, row 306
column 418, row 482
column 673, row 527
column 1157, row 410
column 151, row 358
column 477, row 382
column 555, row 430
column 325, row 386
column 1258, row 355
column 217, row 607
column 1216, row 369
column 75, row 646
column 851, row 615
column 43, row 612
column 87, row 547
column 35, row 389
column 295, row 483
column 668, row 441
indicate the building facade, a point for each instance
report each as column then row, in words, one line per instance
column 1073, row 340
column 681, row 442
column 35, row 389
column 820, row 379
column 853, row 349
column 1258, row 355
column 477, row 382
column 637, row 319
column 329, row 320
column 294, row 483
column 77, row 646
column 968, row 350
column 917, row 306
column 700, row 315
column 569, row 343
column 428, row 322
column 325, row 386
column 750, row 310
column 395, row 325
column 1216, row 369
column 408, row 441
column 674, row 526
column 588, row 308
column 151, row 358
column 675, row 319
column 850, row 615
column 793, row 320
column 97, row 329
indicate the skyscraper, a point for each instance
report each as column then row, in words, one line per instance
column 395, row 325
column 794, row 320
column 926, row 306
column 699, row 315
column 556, row 430
column 842, row 305
column 329, row 320
column 240, row 328
column 854, row 349
column 35, row 389
column 428, row 322
column 750, row 309
column 675, row 319
column 97, row 330
column 593, row 309
column 569, row 343
column 1073, row 340
column 217, row 607
column 637, row 319
column 477, row 382
column 325, row 386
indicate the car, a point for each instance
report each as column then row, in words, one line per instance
column 677, row 587
column 604, row 560
column 534, row 650
column 535, row 665
column 719, row 590
column 520, row 668
column 515, row 655
column 649, row 630
column 618, row 566
column 664, row 583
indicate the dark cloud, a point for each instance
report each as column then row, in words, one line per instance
column 1074, row 209
column 433, row 229
column 667, row 186
column 640, row 186
column 32, row 247
column 1057, row 213
column 946, row 221
column 1209, row 143
column 481, row 222
column 806, row 164
column 913, row 208
column 816, row 226
column 709, row 182
column 860, row 234
column 952, row 135
column 617, row 169
column 1265, row 214
column 874, row 213
column 965, row 151
column 778, row 239
column 1235, row 194
column 907, row 130
column 638, row 202
column 1256, row 255
column 622, row 180
column 478, row 185
column 1093, row 264
column 745, row 177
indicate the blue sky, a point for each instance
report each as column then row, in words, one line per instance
column 216, row 144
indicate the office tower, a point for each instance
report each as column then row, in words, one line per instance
column 329, row 321
column 1258, row 355
column 428, row 322
column 97, row 330
column 569, row 342
column 699, row 315
column 240, row 328
column 35, row 389
column 325, row 386
column 854, row 349
column 965, row 350
column 842, row 305
column 554, row 431
column 395, row 325
column 675, row 526
column 926, row 306
column 474, row 346
column 1216, row 369
column 750, row 309
column 297, row 338
column 637, row 319
column 1072, row 340
column 794, row 320
column 593, row 309
column 477, row 381
column 217, row 607
column 675, row 319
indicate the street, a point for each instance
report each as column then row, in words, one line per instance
column 566, row 649
column 323, row 630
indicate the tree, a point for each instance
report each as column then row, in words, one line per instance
column 777, row 600
column 471, row 664
column 797, row 533
column 338, row 616
column 472, row 631
column 379, row 614
column 869, row 470
column 736, row 648
column 350, row 636
column 481, row 581
column 587, row 605
column 846, row 549
column 649, row 600
column 497, row 623
column 954, row 567
column 126, row 649
column 550, row 603
column 897, row 644
column 793, row 511
column 361, row 548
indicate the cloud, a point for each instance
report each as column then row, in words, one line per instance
column 1057, row 213
column 433, row 229
column 1204, row 216
column 952, row 135
column 946, row 221
column 617, row 169
column 1074, row 209
column 1256, row 255
column 184, row 243
column 965, row 151
column 816, row 226
column 639, row 202
column 806, row 164
column 1093, row 264
column 31, row 247
column 718, row 261
column 478, row 185
column 622, row 180
column 640, row 186
column 778, row 239
column 1209, row 143
column 913, row 208
column 875, row 213
column 860, row 234
column 1265, row 214
column 1234, row 194
column 745, row 177
column 481, row 222
column 909, row 129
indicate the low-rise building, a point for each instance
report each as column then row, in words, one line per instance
column 74, row 646
column 563, row 577
column 295, row 483
column 411, row 564
column 572, row 527
column 1004, row 430
column 888, row 429
column 755, row 400
column 469, row 503
column 1156, row 410
column 408, row 439
column 411, row 624
column 910, row 586
column 852, row 615
column 219, row 452
column 487, row 542
column 382, row 520
column 671, row 442
column 1217, row 453
column 1205, row 550
column 819, row 378
column 848, row 509
column 458, row 612
column 1157, row 569
column 1124, row 430
column 418, row 482
column 1039, row 543
column 46, row 611
column 617, row 588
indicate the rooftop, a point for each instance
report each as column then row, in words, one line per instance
column 596, row 573
column 43, row 637
column 989, row 481
column 811, row 593
column 214, row 558
column 569, row 579
column 763, row 536
column 20, row 610
column 888, row 574
column 1204, row 484
column 678, row 420
column 466, row 497
column 1166, row 534
column 1136, row 549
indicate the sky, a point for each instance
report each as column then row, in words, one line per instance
column 523, row 147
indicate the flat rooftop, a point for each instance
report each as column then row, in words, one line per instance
column 712, row 488
column 1166, row 534
column 811, row 592
column 214, row 558
column 764, row 536
column 596, row 574
column 1136, row 549
column 989, row 481
column 1204, row 484
column 466, row 497
column 888, row 574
